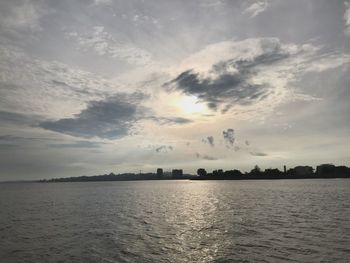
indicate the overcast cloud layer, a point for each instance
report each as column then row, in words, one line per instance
column 89, row 87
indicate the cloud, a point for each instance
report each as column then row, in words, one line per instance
column 46, row 88
column 206, row 157
column 47, row 94
column 12, row 138
column 102, row 2
column 104, row 44
column 256, row 8
column 261, row 154
column 78, row 144
column 215, row 92
column 18, row 142
column 111, row 118
column 347, row 17
column 164, row 148
column 212, row 3
column 22, row 15
column 229, row 137
column 230, row 80
column 18, row 118
column 251, row 75
column 170, row 120
column 209, row 140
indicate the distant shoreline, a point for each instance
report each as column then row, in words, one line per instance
column 185, row 179
column 324, row 171
column 195, row 178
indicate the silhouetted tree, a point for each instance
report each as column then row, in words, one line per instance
column 256, row 170
column 201, row 172
column 272, row 172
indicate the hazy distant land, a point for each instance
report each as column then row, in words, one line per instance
column 298, row 172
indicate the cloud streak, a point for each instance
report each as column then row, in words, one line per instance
column 347, row 17
column 206, row 157
column 46, row 88
column 256, row 8
column 259, row 154
column 104, row 44
column 78, row 145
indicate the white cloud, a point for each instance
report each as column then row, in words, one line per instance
column 102, row 2
column 104, row 44
column 48, row 88
column 212, row 3
column 347, row 17
column 256, row 8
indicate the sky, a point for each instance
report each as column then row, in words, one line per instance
column 97, row 86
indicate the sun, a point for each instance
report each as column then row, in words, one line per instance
column 191, row 104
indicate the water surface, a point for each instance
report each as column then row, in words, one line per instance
column 176, row 221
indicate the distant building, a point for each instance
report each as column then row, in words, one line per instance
column 303, row 170
column 160, row 172
column 177, row 173
column 167, row 175
column 325, row 169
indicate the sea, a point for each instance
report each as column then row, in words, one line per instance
column 176, row 221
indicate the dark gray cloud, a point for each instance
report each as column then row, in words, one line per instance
column 110, row 118
column 209, row 140
column 229, row 137
column 17, row 139
column 8, row 141
column 206, row 157
column 261, row 154
column 78, row 144
column 229, row 82
column 18, row 118
column 169, row 120
column 164, row 148
column 12, row 138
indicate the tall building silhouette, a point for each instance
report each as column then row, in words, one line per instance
column 160, row 172
column 177, row 173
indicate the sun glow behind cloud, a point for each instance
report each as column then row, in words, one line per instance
column 191, row 104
